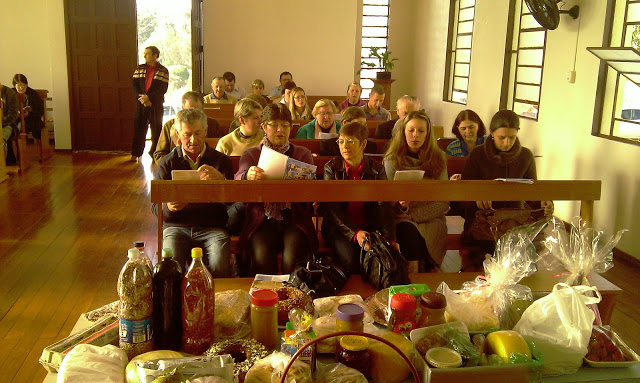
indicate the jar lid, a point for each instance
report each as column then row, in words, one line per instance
column 433, row 300
column 354, row 343
column 264, row 298
column 442, row 357
column 403, row 302
column 350, row 312
column 196, row 252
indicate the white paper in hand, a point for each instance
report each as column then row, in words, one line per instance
column 185, row 175
column 272, row 163
column 326, row 136
column 408, row 175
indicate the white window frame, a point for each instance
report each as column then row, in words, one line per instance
column 459, row 47
column 608, row 117
column 375, row 33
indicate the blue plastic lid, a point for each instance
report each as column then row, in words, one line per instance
column 350, row 312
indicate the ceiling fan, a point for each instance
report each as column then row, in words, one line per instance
column 547, row 14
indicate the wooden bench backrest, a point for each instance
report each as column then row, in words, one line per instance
column 311, row 100
column 444, row 142
column 335, row 191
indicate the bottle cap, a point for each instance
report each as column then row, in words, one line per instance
column 350, row 312
column 433, row 300
column 138, row 244
column 133, row 253
column 403, row 302
column 166, row 253
column 354, row 343
column 264, row 298
column 196, row 252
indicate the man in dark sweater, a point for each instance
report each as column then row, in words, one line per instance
column 150, row 82
column 189, row 225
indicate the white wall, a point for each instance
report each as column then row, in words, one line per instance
column 39, row 52
column 562, row 136
column 315, row 41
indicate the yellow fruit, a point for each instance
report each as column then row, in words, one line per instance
column 504, row 343
column 132, row 374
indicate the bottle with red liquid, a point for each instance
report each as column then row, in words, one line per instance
column 167, row 303
column 198, row 306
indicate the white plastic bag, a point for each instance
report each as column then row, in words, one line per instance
column 560, row 325
column 89, row 363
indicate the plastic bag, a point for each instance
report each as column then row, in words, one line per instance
column 582, row 251
column 560, row 325
column 89, row 363
column 232, row 315
column 340, row 374
column 270, row 369
column 190, row 367
column 495, row 299
column 328, row 305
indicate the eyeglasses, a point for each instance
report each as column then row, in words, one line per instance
column 350, row 141
column 325, row 114
column 275, row 125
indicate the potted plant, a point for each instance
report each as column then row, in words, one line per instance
column 384, row 62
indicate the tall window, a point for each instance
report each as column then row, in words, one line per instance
column 375, row 33
column 524, row 64
column 458, row 67
column 618, row 114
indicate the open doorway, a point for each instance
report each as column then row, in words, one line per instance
column 167, row 25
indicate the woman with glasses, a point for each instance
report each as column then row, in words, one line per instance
column 421, row 227
column 298, row 105
column 346, row 224
column 324, row 121
column 274, row 227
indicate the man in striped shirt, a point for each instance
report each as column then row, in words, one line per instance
column 150, row 82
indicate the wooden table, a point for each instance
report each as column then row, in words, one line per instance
column 538, row 282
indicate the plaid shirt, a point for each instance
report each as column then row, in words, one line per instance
column 459, row 149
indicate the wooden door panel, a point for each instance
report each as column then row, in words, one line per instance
column 102, row 55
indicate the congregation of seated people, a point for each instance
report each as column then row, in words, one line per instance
column 277, row 237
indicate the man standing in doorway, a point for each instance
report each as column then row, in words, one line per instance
column 150, row 83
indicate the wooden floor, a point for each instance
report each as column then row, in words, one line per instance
column 66, row 226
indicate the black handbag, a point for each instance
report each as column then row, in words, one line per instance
column 318, row 279
column 382, row 265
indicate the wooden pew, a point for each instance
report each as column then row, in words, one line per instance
column 319, row 161
column 3, row 165
column 334, row 191
column 444, row 142
column 311, row 100
column 45, row 147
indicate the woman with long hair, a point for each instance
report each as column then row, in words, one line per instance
column 470, row 130
column 421, row 227
column 298, row 105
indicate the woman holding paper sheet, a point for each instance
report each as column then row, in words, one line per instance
column 345, row 224
column 421, row 226
column 501, row 156
column 274, row 227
